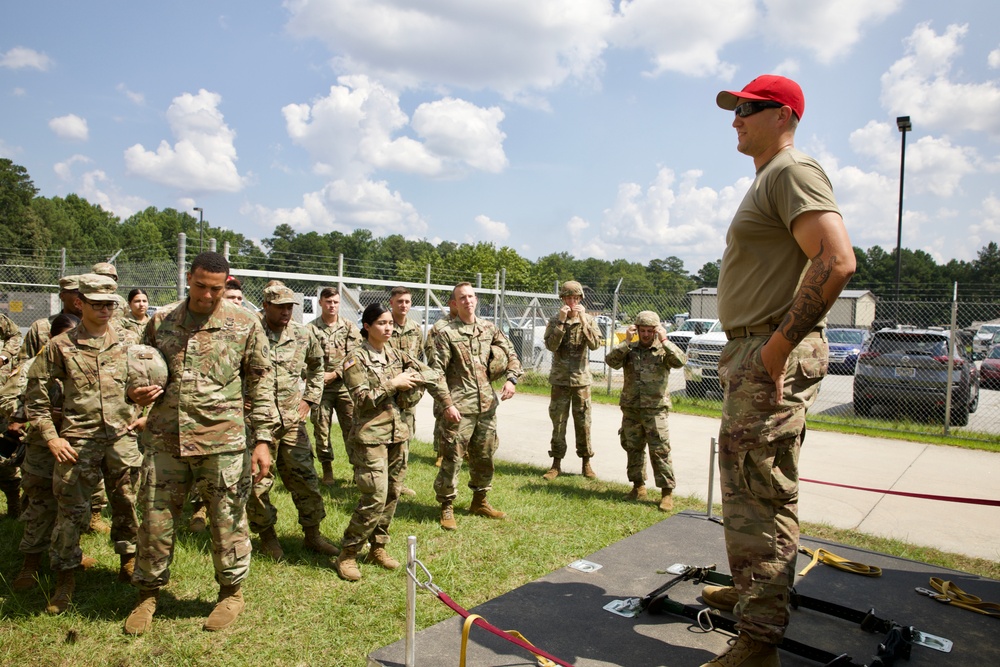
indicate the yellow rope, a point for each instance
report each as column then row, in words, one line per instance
column 839, row 562
column 955, row 596
column 467, row 627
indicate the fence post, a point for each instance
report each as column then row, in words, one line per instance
column 427, row 301
column 503, row 296
column 181, row 261
column 340, row 274
column 711, row 477
column 496, row 300
column 211, row 245
column 614, row 318
column 225, row 250
column 951, row 360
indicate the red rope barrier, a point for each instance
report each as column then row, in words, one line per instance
column 486, row 625
column 925, row 496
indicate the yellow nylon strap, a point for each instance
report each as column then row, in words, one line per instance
column 839, row 562
column 467, row 627
column 955, row 596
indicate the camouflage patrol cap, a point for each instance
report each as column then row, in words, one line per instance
column 98, row 288
column 146, row 366
column 105, row 269
column 647, row 318
column 571, row 288
column 280, row 295
column 69, row 283
column 497, row 367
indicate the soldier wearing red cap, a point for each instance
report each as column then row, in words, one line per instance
column 787, row 258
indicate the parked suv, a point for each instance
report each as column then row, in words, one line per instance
column 985, row 338
column 691, row 328
column 907, row 369
column 701, row 373
column 845, row 346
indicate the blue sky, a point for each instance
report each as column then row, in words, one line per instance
column 583, row 126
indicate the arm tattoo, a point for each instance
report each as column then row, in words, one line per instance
column 809, row 306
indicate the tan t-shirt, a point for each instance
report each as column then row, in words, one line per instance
column 762, row 263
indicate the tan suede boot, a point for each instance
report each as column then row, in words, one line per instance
column 127, row 568
column 63, row 596
column 86, row 562
column 199, row 520
column 481, row 507
column 328, row 473
column 437, row 461
column 141, row 617
column 377, row 555
column 720, row 597
column 316, row 542
column 666, row 500
column 28, row 576
column 227, row 609
column 97, row 523
column 406, row 491
column 554, row 471
column 347, row 564
column 448, row 516
column 638, row 492
column 269, row 544
column 588, row 472
column 747, row 652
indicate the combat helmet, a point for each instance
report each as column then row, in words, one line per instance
column 146, row 366
column 497, row 366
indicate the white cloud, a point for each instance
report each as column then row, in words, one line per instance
column 684, row 37
column 19, row 92
column 491, row 230
column 988, row 227
column 20, row 57
column 8, row 151
column 827, row 29
column 920, row 85
column 346, row 204
column 993, row 60
column 512, row 47
column 134, row 97
column 204, row 157
column 70, row 126
column 353, row 131
column 96, row 187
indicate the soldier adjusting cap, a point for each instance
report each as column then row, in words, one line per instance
column 571, row 288
column 647, row 318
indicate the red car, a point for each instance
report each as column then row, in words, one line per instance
column 989, row 370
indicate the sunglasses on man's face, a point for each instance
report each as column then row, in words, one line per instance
column 752, row 107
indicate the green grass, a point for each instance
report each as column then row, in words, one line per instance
column 300, row 613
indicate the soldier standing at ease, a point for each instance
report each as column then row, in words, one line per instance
column 647, row 357
column 296, row 355
column 379, row 378
column 96, row 436
column 10, row 478
column 570, row 335
column 462, row 353
column 437, row 410
column 338, row 337
column 196, row 435
column 406, row 337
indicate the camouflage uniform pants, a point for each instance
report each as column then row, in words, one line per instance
column 38, row 514
column 293, row 457
column 379, row 471
column 759, row 444
column 562, row 399
column 225, row 482
column 336, row 399
column 439, row 422
column 477, row 435
column 118, row 462
column 647, row 427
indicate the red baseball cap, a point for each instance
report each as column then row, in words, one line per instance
column 769, row 87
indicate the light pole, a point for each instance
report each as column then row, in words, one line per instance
column 903, row 123
column 201, row 232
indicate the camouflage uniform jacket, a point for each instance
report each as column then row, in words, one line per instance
column 93, row 371
column 132, row 324
column 368, row 375
column 431, row 334
column 36, row 338
column 296, row 355
column 201, row 410
column 407, row 338
column 11, row 337
column 569, row 343
column 462, row 353
column 647, row 370
column 337, row 340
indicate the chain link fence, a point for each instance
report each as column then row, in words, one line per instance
column 927, row 367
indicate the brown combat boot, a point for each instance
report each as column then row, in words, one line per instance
column 377, row 555
column 28, row 576
column 720, row 597
column 481, row 507
column 227, row 609
column 65, row 585
column 199, row 520
column 97, row 523
column 328, row 473
column 269, row 544
column 438, row 460
column 13, row 494
column 141, row 617
column 406, row 491
column 588, row 472
column 316, row 542
column 638, row 492
column 126, row 568
column 666, row 500
column 554, row 471
column 347, row 564
column 448, row 516
column 747, row 652
column 86, row 562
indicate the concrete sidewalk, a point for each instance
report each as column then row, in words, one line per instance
column 878, row 463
